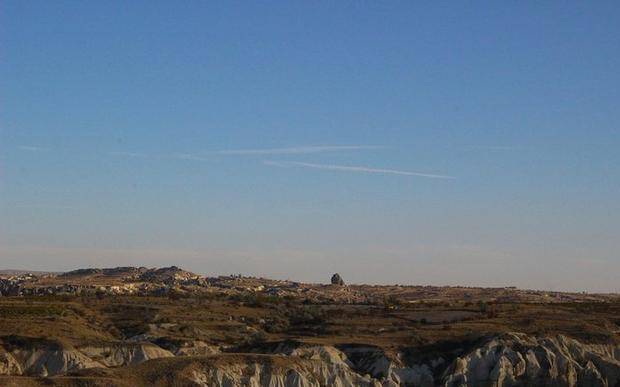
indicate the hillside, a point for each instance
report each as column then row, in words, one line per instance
column 167, row 326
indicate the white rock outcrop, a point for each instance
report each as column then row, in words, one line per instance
column 520, row 360
column 125, row 354
column 306, row 373
column 50, row 362
column 59, row 360
column 512, row 359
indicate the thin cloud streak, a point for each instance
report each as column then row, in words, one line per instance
column 46, row 206
column 355, row 169
column 177, row 156
column 495, row 147
column 296, row 150
column 187, row 156
column 255, row 152
column 31, row 148
column 130, row 154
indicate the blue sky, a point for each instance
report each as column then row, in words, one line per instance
column 394, row 142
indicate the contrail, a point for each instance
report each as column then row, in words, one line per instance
column 296, row 150
column 130, row 154
column 254, row 152
column 31, row 148
column 358, row 169
column 187, row 156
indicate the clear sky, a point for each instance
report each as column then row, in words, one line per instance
column 471, row 143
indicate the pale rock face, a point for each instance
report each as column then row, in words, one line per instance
column 310, row 373
column 58, row 361
column 520, row 360
column 121, row 355
column 43, row 362
column 391, row 371
column 324, row 353
column 508, row 360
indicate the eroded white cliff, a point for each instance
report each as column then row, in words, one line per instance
column 508, row 360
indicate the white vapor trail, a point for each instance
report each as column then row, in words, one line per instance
column 358, row 169
column 255, row 152
column 130, row 154
column 187, row 156
column 296, row 150
column 46, row 206
column 31, row 148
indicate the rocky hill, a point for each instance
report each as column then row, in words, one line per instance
column 118, row 280
column 140, row 326
column 511, row 359
column 158, row 281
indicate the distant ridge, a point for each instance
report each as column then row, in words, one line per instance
column 7, row 272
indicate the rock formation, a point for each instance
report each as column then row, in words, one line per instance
column 507, row 360
column 337, row 280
